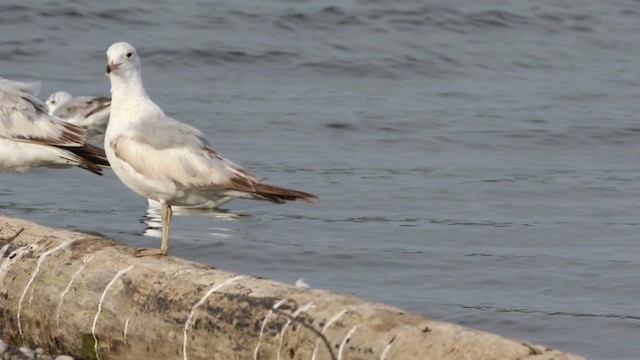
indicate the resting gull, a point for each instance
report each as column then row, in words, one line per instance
column 165, row 160
column 90, row 112
column 29, row 137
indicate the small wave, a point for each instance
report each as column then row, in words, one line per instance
column 431, row 64
column 428, row 63
column 459, row 21
column 14, row 8
column 543, row 312
column 497, row 18
column 581, row 135
column 76, row 15
column 379, row 16
column 622, row 135
column 63, row 12
column 128, row 16
column 567, row 137
column 372, row 16
column 21, row 53
column 341, row 126
column 458, row 95
column 490, row 223
column 15, row 14
column 350, row 68
column 327, row 18
column 168, row 57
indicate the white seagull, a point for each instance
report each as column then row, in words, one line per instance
column 29, row 137
column 165, row 160
column 93, row 113
column 90, row 112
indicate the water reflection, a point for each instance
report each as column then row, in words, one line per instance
column 153, row 218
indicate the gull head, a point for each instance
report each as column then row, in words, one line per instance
column 56, row 99
column 122, row 58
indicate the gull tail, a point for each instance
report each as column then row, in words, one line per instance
column 89, row 157
column 281, row 195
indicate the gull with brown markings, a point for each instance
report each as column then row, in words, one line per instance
column 91, row 112
column 165, row 160
column 30, row 138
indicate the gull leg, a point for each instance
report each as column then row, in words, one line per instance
column 166, row 222
column 167, row 213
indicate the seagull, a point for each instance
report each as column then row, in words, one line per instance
column 93, row 113
column 90, row 112
column 165, row 160
column 29, row 137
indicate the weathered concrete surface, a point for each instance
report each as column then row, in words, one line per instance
column 91, row 297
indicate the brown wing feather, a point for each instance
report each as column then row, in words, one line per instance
column 268, row 192
column 279, row 195
column 71, row 138
column 70, row 135
column 101, row 103
column 92, row 157
column 247, row 182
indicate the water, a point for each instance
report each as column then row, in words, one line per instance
column 476, row 162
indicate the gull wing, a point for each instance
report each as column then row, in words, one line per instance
column 82, row 106
column 164, row 150
column 177, row 155
column 23, row 117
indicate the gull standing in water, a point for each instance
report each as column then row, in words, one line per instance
column 165, row 160
column 90, row 112
column 29, row 137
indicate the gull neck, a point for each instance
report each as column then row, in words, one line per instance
column 127, row 85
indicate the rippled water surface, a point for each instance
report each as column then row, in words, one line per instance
column 476, row 161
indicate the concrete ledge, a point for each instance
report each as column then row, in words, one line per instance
column 92, row 298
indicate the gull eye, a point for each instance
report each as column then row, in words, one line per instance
column 53, row 101
column 129, row 54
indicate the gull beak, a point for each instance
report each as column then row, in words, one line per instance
column 111, row 66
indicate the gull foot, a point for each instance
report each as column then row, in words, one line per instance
column 150, row 252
